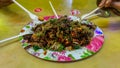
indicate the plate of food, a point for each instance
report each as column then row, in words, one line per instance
column 63, row 39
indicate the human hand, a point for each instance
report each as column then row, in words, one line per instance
column 4, row 3
column 110, row 3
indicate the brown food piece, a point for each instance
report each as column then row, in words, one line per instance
column 27, row 37
column 41, row 18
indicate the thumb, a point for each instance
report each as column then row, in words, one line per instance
column 116, row 5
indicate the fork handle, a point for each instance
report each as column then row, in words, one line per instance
column 32, row 16
column 7, row 39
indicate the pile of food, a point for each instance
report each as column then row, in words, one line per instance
column 61, row 34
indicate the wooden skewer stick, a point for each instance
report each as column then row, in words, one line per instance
column 53, row 9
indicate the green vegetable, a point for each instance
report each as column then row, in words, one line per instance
column 76, row 46
column 25, row 44
column 21, row 37
column 44, row 49
column 61, row 47
column 53, row 20
column 35, row 47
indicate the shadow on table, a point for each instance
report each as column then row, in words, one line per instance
column 113, row 26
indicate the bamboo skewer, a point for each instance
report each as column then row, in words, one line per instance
column 53, row 9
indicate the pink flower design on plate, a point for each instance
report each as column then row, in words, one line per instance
column 96, row 43
column 61, row 56
column 75, row 12
column 36, row 54
column 64, row 58
column 48, row 17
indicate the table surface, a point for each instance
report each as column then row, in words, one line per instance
column 12, row 19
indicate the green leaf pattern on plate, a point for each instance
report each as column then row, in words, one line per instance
column 27, row 26
column 71, row 56
column 47, row 58
column 87, row 53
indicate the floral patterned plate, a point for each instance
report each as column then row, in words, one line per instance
column 84, row 52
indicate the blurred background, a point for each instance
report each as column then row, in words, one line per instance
column 13, row 19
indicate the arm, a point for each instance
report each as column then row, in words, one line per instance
column 116, row 5
column 4, row 3
column 110, row 3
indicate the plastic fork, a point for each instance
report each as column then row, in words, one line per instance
column 91, row 14
column 31, row 15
